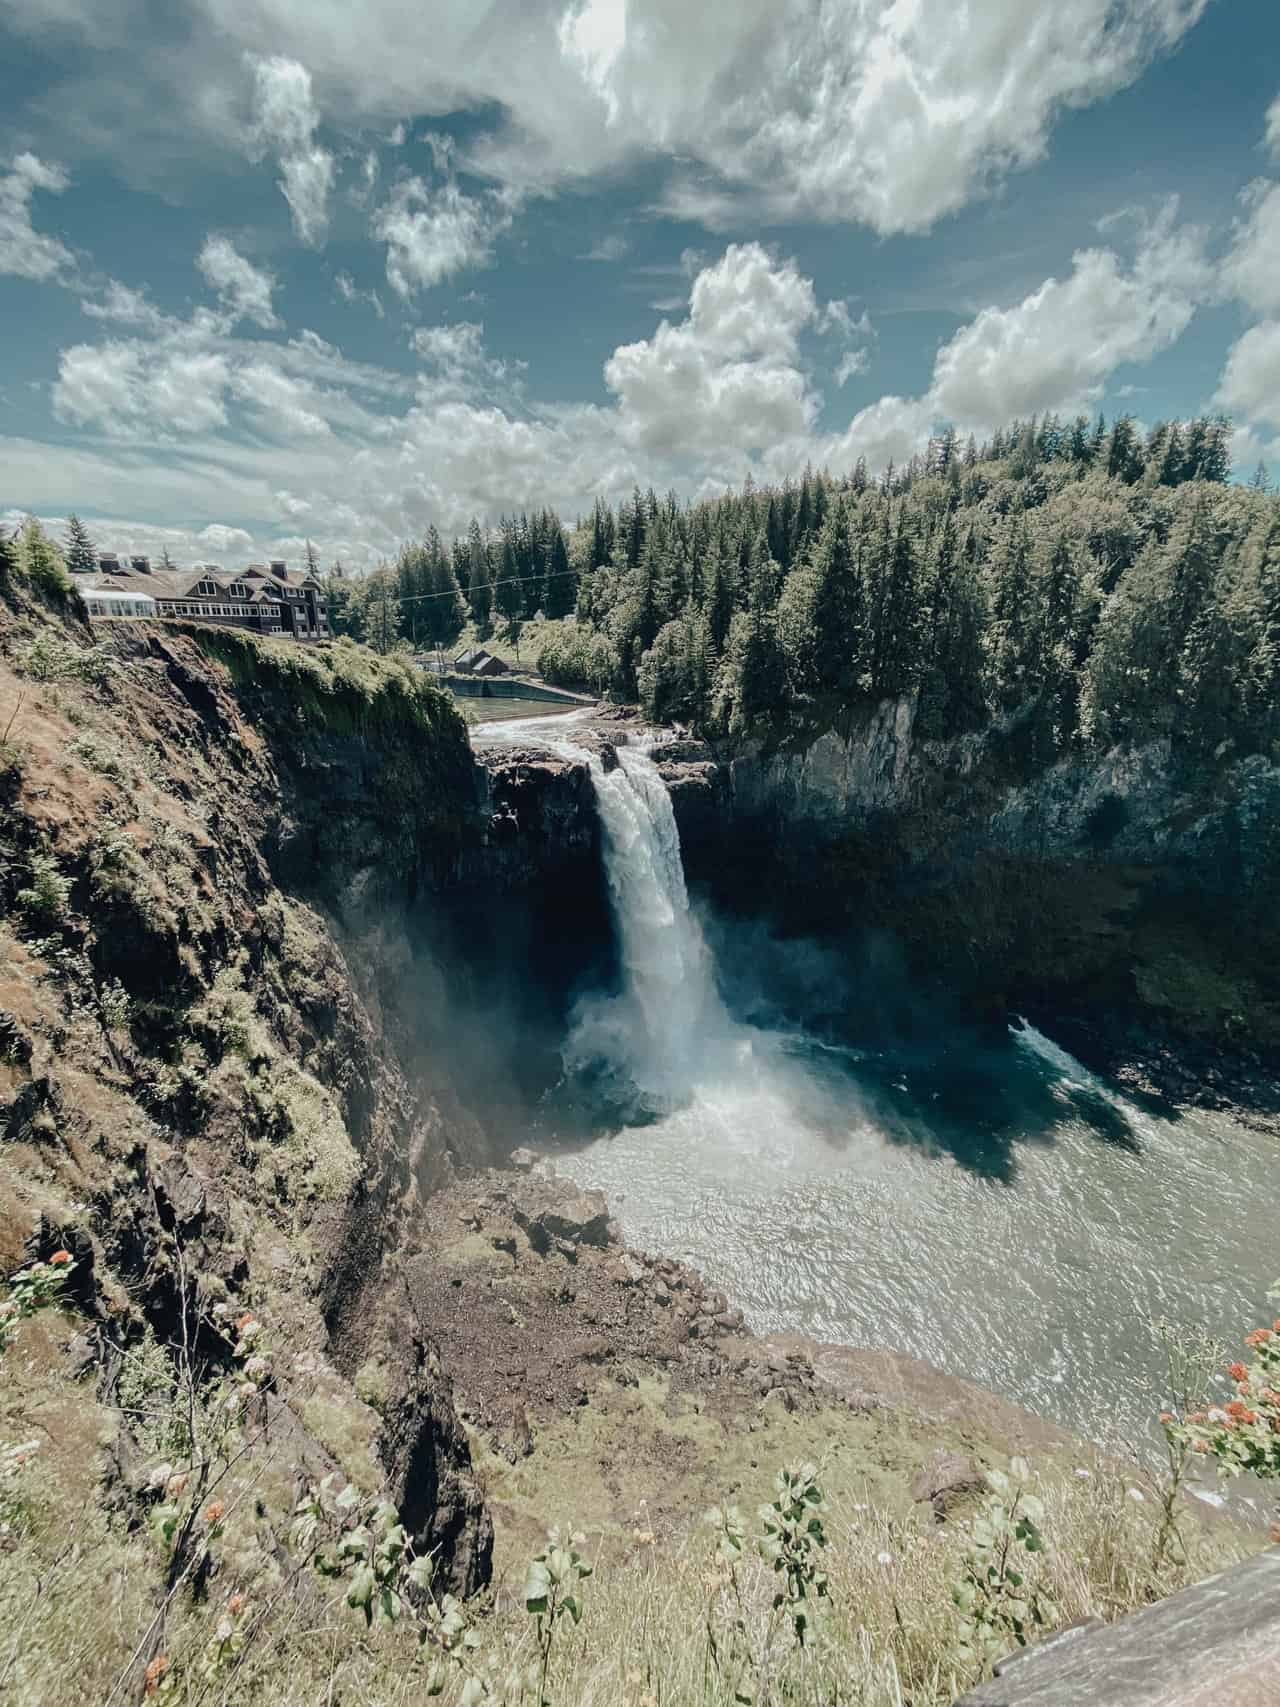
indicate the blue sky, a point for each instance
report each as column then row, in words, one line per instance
column 279, row 269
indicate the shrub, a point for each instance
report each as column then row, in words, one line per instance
column 1242, row 1435
column 44, row 899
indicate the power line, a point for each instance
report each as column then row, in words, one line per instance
column 507, row 581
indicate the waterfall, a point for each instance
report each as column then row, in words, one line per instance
column 648, row 1047
column 656, row 1033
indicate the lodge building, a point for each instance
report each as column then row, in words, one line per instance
column 266, row 598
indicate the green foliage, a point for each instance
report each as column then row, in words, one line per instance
column 574, row 656
column 41, row 562
column 53, row 658
column 80, row 551
column 552, row 1597
column 791, row 1538
column 43, row 900
column 1095, row 586
column 1242, row 1435
column 32, row 1289
column 1001, row 1601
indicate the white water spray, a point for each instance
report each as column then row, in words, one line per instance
column 657, row 1037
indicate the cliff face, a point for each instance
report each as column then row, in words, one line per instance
column 211, row 854
column 1131, row 884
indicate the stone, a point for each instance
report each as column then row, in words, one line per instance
column 1218, row 1642
column 554, row 1209
column 946, row 1477
column 730, row 1321
column 524, row 1160
column 627, row 1271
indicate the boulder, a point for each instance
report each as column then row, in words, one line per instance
column 946, row 1477
column 553, row 1211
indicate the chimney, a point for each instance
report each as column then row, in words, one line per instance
column 109, row 563
column 140, row 565
column 279, row 568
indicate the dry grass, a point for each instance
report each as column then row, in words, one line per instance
column 79, row 1589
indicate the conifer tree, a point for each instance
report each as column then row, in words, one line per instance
column 81, row 553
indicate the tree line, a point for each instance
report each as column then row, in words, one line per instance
column 1090, row 583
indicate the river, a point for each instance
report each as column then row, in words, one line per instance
column 996, row 1210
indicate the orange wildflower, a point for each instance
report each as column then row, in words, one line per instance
column 1258, row 1337
column 1200, row 1445
column 242, row 1322
column 1241, row 1413
column 1238, row 1372
column 213, row 1512
column 59, row 1257
column 1166, row 1417
column 154, row 1672
column 235, row 1606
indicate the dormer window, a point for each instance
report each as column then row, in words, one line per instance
column 206, row 589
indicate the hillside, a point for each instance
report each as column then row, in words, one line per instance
column 266, row 1164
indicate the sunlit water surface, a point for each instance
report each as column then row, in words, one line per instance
column 999, row 1212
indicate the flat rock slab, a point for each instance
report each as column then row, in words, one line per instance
column 1214, row 1645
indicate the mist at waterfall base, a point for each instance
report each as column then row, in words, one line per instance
column 985, row 1204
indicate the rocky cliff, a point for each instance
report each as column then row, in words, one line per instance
column 1129, row 893
column 210, row 1090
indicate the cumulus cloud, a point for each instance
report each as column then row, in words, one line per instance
column 244, row 288
column 891, row 112
column 24, row 251
column 285, row 122
column 1057, row 348
column 271, row 431
column 454, row 359
column 218, row 537
column 1250, row 383
column 431, row 234
column 727, row 374
column 1054, row 350
column 1251, row 269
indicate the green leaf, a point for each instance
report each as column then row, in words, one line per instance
column 570, row 1604
column 363, row 1584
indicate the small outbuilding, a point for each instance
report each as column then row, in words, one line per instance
column 475, row 661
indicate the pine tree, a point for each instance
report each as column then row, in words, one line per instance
column 311, row 560
column 81, row 553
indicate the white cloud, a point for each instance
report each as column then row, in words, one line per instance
column 116, row 387
column 349, row 291
column 286, row 120
column 891, row 112
column 244, row 288
column 1057, row 348
column 126, row 307
column 1250, row 383
column 850, row 365
column 1273, row 126
column 218, row 537
column 1251, row 269
column 272, row 435
column 431, row 234
column 1054, row 350
column 455, row 361
column 24, row 251
column 611, row 248
column 727, row 374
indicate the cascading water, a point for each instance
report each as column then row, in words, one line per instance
column 656, row 1035
column 997, row 1211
